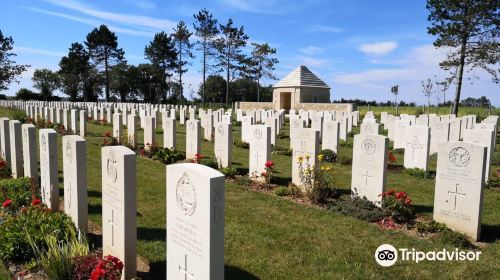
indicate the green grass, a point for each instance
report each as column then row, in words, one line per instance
column 4, row 272
column 269, row 237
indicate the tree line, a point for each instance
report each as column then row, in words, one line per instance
column 98, row 67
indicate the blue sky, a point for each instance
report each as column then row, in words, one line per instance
column 359, row 48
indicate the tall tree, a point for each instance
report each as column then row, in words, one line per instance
column 263, row 63
column 46, row 81
column 73, row 69
column 104, row 51
column 229, row 47
column 120, row 84
column 206, row 30
column 183, row 47
column 9, row 71
column 470, row 28
column 161, row 52
column 395, row 91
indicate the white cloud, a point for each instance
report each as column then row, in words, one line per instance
column 94, row 23
column 311, row 50
column 128, row 19
column 257, row 7
column 408, row 70
column 38, row 51
column 378, row 48
column 323, row 28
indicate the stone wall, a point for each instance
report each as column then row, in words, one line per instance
column 254, row 105
column 346, row 107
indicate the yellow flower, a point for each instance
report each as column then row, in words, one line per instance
column 328, row 168
column 321, row 157
column 308, row 156
column 299, row 159
column 323, row 168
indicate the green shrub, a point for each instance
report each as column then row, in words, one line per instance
column 229, row 172
column 414, row 172
column 282, row 151
column 210, row 162
column 33, row 223
column 244, row 181
column 345, row 160
column 240, row 144
column 283, row 191
column 398, row 206
column 493, row 182
column 329, row 155
column 57, row 259
column 430, row 227
column 21, row 192
column 19, row 115
column 168, row 155
column 357, row 207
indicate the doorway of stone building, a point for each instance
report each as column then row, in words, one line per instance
column 286, row 100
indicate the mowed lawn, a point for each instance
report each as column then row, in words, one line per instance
column 269, row 237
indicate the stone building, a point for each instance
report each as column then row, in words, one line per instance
column 300, row 89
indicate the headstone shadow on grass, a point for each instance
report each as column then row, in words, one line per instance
column 151, row 234
column 490, row 233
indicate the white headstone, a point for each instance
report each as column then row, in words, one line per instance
column 49, row 179
column 417, row 147
column 195, row 222
column 307, row 147
column 260, row 150
column 5, row 138
column 16, row 149
column 458, row 194
column 484, row 138
column 169, row 133
column 75, row 180
column 29, row 150
column 369, row 166
column 330, row 139
column 119, row 208
column 192, row 138
column 223, row 147
column 132, row 130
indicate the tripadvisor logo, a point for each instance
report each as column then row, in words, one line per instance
column 387, row 255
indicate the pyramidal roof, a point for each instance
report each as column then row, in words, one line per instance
column 301, row 77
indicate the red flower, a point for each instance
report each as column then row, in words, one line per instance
column 36, row 201
column 269, row 163
column 6, row 203
column 263, row 174
column 407, row 201
column 198, row 156
column 400, row 195
column 391, row 192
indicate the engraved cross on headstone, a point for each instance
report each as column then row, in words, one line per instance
column 113, row 224
column 366, row 178
column 69, row 195
column 414, row 146
column 456, row 194
column 185, row 269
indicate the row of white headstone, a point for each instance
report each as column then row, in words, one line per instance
column 462, row 169
column 195, row 199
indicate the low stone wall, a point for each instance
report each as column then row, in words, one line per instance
column 345, row 107
column 254, row 105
